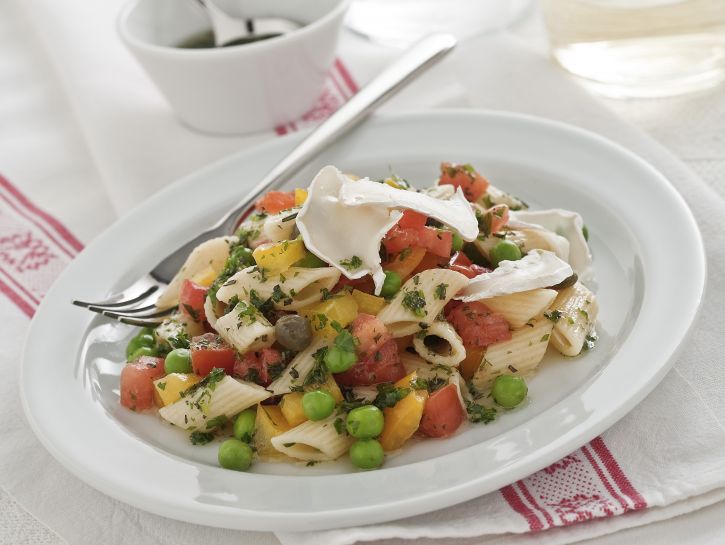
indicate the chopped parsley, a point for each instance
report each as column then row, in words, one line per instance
column 589, row 341
column 404, row 253
column 440, row 292
column 318, row 373
column 216, row 422
column 478, row 413
column 388, row 395
column 554, row 315
column 201, row 437
column 352, row 264
column 414, row 301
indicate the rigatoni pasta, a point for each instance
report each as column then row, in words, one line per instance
column 575, row 312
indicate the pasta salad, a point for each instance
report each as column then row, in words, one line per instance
column 350, row 316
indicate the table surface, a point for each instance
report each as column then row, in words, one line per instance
column 692, row 127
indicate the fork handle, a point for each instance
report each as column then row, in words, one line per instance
column 412, row 63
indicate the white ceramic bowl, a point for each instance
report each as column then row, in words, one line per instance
column 238, row 89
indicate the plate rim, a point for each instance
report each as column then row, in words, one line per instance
column 219, row 516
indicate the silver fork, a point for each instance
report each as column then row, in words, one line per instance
column 135, row 305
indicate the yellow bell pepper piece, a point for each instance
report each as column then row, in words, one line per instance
column 402, row 420
column 205, row 277
column 167, row 390
column 291, row 404
column 278, row 257
column 405, row 266
column 342, row 310
column 270, row 423
column 368, row 304
column 300, row 197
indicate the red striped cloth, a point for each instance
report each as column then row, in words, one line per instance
column 587, row 484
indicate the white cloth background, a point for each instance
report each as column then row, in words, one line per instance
column 86, row 160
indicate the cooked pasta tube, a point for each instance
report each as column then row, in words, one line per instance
column 245, row 328
column 420, row 300
column 519, row 308
column 314, row 441
column 295, row 374
column 575, row 311
column 440, row 344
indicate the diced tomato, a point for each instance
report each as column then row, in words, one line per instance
column 370, row 332
column 499, row 217
column 383, row 365
column 460, row 263
column 209, row 351
column 477, row 324
column 436, row 241
column 275, row 201
column 412, row 220
column 259, row 366
column 364, row 284
column 443, row 413
column 466, row 177
column 430, row 261
column 137, row 382
column 191, row 300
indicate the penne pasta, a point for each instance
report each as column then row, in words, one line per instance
column 575, row 311
column 440, row 344
column 211, row 404
column 520, row 354
column 314, row 441
column 295, row 374
column 519, row 308
column 245, row 328
column 177, row 326
column 292, row 289
column 420, row 300
column 210, row 254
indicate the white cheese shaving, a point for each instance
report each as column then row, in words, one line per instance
column 346, row 237
column 455, row 212
column 538, row 269
column 567, row 224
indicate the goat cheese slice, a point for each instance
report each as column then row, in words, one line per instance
column 538, row 269
column 456, row 211
column 346, row 237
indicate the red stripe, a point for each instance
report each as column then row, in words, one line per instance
column 615, row 471
column 512, row 498
column 343, row 93
column 281, row 130
column 604, row 479
column 34, row 221
column 17, row 299
column 19, row 287
column 54, row 223
column 530, row 498
column 346, row 77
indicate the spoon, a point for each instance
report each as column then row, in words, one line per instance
column 230, row 30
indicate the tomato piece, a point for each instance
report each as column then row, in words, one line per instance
column 477, row 324
column 466, row 177
column 370, row 332
column 430, row 261
column 383, row 365
column 405, row 262
column 499, row 217
column 460, row 263
column 191, row 300
column 436, row 241
column 443, row 413
column 260, row 367
column 209, row 351
column 412, row 220
column 137, row 382
column 364, row 284
column 275, row 201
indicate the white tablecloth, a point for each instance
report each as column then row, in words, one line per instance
column 37, row 121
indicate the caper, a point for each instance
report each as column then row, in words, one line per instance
column 293, row 332
column 566, row 283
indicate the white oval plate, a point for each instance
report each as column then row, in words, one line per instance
column 649, row 296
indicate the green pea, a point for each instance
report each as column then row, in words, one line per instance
column 178, row 361
column 585, row 232
column 338, row 360
column 365, row 422
column 505, row 251
column 318, row 404
column 509, row 390
column 143, row 351
column 142, row 339
column 244, row 425
column 310, row 261
column 457, row 242
column 367, row 454
column 391, row 285
column 233, row 454
column 147, row 331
